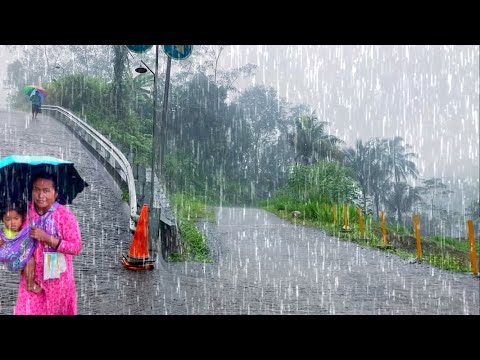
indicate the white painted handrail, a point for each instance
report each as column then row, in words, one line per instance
column 108, row 151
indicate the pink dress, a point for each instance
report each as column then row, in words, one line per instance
column 59, row 296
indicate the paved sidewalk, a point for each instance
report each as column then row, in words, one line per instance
column 262, row 264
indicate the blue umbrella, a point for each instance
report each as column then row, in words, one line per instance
column 17, row 172
column 42, row 95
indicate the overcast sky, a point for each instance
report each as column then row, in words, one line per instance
column 429, row 95
column 3, row 68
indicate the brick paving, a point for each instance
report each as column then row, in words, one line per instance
column 261, row 264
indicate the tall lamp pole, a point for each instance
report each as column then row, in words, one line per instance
column 159, row 131
column 154, row 132
column 162, row 138
column 158, row 150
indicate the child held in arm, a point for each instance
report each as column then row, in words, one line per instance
column 16, row 246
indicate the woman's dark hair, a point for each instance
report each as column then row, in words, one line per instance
column 46, row 176
column 18, row 206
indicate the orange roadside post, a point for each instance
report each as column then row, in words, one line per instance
column 138, row 257
column 384, row 230
column 345, row 220
column 360, row 223
column 473, row 253
column 417, row 236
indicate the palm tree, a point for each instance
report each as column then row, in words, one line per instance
column 401, row 197
column 311, row 143
column 142, row 90
column 398, row 160
column 378, row 173
column 400, row 166
column 359, row 160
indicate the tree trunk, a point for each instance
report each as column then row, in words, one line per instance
column 120, row 57
column 399, row 213
column 376, row 197
column 364, row 193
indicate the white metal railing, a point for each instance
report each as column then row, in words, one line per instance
column 108, row 151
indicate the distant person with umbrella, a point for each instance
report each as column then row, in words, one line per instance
column 36, row 99
column 50, row 183
column 36, row 94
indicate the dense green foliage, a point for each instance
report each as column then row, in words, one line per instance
column 224, row 149
column 188, row 211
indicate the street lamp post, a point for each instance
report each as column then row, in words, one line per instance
column 154, row 132
column 153, row 214
column 158, row 151
column 161, row 140
column 159, row 134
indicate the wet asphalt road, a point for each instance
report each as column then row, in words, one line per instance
column 261, row 264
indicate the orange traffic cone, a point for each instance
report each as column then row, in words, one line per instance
column 139, row 247
column 138, row 256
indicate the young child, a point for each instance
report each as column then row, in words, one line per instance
column 16, row 246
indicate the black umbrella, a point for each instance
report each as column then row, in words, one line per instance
column 17, row 172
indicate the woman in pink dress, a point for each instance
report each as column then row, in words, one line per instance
column 58, row 238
